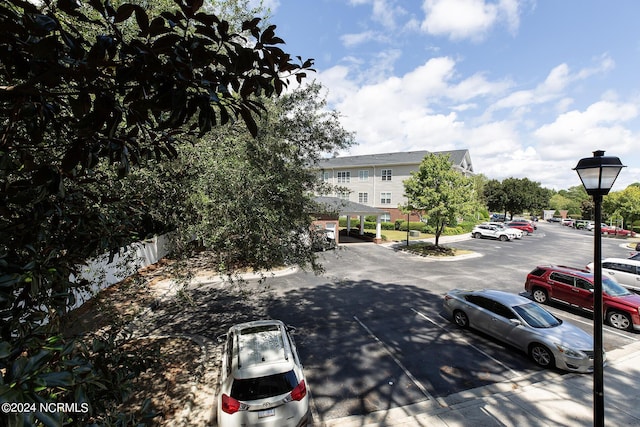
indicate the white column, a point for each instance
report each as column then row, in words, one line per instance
column 362, row 225
column 378, row 228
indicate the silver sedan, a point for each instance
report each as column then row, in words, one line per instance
column 522, row 323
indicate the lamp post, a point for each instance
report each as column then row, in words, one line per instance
column 598, row 173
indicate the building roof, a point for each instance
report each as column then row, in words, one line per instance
column 457, row 157
column 340, row 206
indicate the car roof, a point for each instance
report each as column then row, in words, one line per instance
column 506, row 298
column 260, row 348
column 623, row 261
column 571, row 270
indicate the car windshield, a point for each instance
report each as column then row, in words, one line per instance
column 613, row 288
column 536, row 316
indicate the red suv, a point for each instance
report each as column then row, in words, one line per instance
column 522, row 225
column 621, row 308
column 616, row 231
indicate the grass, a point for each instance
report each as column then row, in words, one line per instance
column 421, row 248
column 399, row 236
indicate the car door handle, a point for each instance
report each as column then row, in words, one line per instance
column 575, row 290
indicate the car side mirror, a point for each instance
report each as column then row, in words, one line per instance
column 222, row 338
column 515, row 322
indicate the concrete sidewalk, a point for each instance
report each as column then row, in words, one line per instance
column 544, row 400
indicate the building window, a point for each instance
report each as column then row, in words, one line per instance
column 363, row 197
column 386, row 174
column 325, row 176
column 385, row 217
column 364, row 175
column 344, row 195
column 344, row 177
column 385, row 198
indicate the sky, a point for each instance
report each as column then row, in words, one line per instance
column 528, row 87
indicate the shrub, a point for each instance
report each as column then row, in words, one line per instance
column 413, row 225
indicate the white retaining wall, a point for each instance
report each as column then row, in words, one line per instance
column 101, row 273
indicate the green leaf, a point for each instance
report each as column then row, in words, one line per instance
column 57, row 379
column 5, row 349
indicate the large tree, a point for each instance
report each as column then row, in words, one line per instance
column 623, row 205
column 516, row 195
column 248, row 199
column 75, row 111
column 439, row 192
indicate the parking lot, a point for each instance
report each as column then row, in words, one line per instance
column 372, row 333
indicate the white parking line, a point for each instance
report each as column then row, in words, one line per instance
column 418, row 384
column 516, row 374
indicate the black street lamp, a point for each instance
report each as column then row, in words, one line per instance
column 598, row 173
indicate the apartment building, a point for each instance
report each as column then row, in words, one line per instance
column 376, row 180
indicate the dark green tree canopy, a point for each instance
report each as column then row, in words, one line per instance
column 88, row 90
column 516, row 195
column 126, row 98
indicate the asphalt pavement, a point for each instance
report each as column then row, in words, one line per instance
column 530, row 402
column 543, row 399
column 557, row 401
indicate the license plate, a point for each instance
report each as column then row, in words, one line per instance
column 267, row 413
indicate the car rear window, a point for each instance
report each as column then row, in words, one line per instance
column 538, row 272
column 263, row 387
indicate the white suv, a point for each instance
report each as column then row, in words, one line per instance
column 516, row 231
column 624, row 271
column 492, row 231
column 262, row 382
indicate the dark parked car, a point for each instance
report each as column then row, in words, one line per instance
column 621, row 308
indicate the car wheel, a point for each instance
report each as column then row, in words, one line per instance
column 461, row 319
column 477, row 235
column 619, row 320
column 541, row 355
column 540, row 295
column 504, row 238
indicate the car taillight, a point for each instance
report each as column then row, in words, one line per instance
column 229, row 404
column 299, row 392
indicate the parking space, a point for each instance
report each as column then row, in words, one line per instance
column 373, row 335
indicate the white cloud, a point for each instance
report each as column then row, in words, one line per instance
column 351, row 40
column 384, row 12
column 461, row 19
column 552, row 88
column 576, row 133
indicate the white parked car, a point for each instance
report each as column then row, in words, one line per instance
column 623, row 270
column 492, row 232
column 262, row 380
column 517, row 232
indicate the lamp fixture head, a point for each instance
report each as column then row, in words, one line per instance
column 598, row 173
